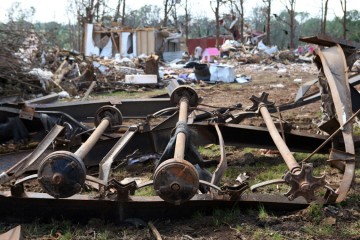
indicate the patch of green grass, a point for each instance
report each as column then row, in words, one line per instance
column 273, row 172
column 63, row 228
column 258, row 234
column 316, row 158
column 231, row 173
column 210, row 151
column 249, row 150
column 264, row 169
column 227, row 216
column 145, row 191
column 262, row 215
column 356, row 130
column 277, row 236
column 352, row 199
column 103, row 235
column 316, row 212
column 351, row 230
column 320, row 230
column 67, row 236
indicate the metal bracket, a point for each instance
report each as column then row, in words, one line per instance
column 260, row 101
column 123, row 190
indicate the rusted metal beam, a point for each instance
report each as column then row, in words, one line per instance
column 81, row 111
column 31, row 160
column 82, row 208
column 335, row 68
column 329, row 41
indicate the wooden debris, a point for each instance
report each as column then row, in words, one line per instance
column 13, row 234
column 87, row 93
column 141, row 79
column 152, row 65
column 154, row 231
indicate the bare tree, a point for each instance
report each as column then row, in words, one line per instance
column 84, row 11
column 343, row 7
column 175, row 16
column 268, row 21
column 123, row 19
column 290, row 8
column 239, row 6
column 324, row 9
column 87, row 11
column 217, row 20
column 216, row 10
column 168, row 6
column 117, row 11
column 291, row 11
column 187, row 19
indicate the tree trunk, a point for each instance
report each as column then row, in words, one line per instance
column 291, row 12
column 217, row 22
column 242, row 20
column 268, row 20
column 325, row 16
column 123, row 14
column 217, row 18
column 166, row 11
column 175, row 17
column 344, row 23
column 117, row 11
column 186, row 23
column 292, row 29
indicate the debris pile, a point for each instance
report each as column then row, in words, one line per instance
column 113, row 56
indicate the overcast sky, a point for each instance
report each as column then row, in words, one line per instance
column 55, row 10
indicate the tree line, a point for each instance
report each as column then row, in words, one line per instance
column 283, row 29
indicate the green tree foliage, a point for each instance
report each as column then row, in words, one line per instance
column 56, row 34
column 311, row 27
column 202, row 27
column 146, row 16
column 353, row 25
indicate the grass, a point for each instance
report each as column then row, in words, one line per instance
column 145, row 191
column 248, row 150
column 265, row 234
column 356, row 129
column 317, row 158
column 316, row 212
column 263, row 215
column 324, row 231
column 64, row 229
column 211, row 151
column 351, row 229
column 227, row 216
column 264, row 171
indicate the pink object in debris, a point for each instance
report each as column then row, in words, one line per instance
column 311, row 49
column 210, row 53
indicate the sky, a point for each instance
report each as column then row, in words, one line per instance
column 55, row 10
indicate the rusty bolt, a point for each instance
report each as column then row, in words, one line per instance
column 175, row 187
column 57, row 178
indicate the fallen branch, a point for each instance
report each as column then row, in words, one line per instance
column 154, row 231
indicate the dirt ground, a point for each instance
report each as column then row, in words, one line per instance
column 339, row 221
